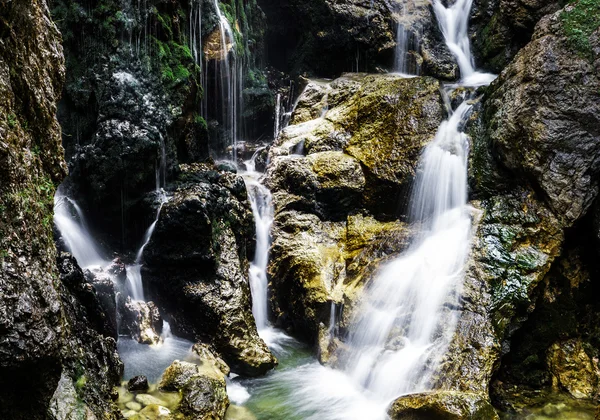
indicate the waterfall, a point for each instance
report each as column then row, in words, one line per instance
column 406, row 319
column 195, row 30
column 134, row 274
column 228, row 83
column 262, row 209
column 277, row 121
column 454, row 22
column 75, row 232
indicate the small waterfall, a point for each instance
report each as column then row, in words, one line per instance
column 406, row 319
column 277, row 116
column 262, row 208
column 195, row 30
column 75, row 231
column 134, row 274
column 454, row 22
column 228, row 83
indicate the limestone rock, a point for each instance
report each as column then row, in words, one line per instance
column 336, row 174
column 202, row 388
column 540, row 115
column 197, row 264
column 572, row 369
column 141, row 321
column 137, row 384
column 500, row 28
column 446, row 405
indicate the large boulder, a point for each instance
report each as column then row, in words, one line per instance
column 542, row 112
column 573, row 369
column 442, row 405
column 196, row 266
column 202, row 388
column 337, row 174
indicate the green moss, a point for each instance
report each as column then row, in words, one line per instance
column 200, row 121
column 11, row 120
column 579, row 21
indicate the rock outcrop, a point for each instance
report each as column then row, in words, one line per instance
column 442, row 405
column 336, row 174
column 534, row 176
column 354, row 35
column 56, row 354
column 500, row 28
column 543, row 112
column 197, row 264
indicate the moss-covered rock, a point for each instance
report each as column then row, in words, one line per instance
column 55, row 342
column 540, row 115
column 336, row 175
column 202, row 388
column 573, row 369
column 443, row 405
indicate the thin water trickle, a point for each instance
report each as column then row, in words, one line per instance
column 262, row 208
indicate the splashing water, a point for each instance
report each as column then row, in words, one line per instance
column 408, row 313
column 134, row 273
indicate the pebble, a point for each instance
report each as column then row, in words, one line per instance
column 132, row 405
column 147, row 399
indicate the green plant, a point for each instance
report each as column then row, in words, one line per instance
column 579, row 20
column 12, row 120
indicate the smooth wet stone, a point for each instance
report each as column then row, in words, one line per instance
column 154, row 412
column 132, row 405
column 137, row 384
column 128, row 413
column 147, row 399
column 442, row 405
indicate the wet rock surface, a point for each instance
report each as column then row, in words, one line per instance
column 444, row 405
column 541, row 117
column 336, row 174
column 354, row 34
column 197, row 264
column 56, row 353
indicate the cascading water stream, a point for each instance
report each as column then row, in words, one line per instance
column 75, row 233
column 262, row 209
column 403, row 323
column 454, row 22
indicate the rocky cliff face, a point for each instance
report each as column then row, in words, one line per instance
column 533, row 171
column 56, row 356
column 337, row 174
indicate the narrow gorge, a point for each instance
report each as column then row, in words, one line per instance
column 299, row 210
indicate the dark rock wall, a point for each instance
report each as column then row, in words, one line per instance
column 48, row 324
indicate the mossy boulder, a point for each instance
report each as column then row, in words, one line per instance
column 202, row 388
column 337, row 174
column 572, row 369
column 442, row 405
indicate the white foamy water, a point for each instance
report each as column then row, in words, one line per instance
column 262, row 209
column 408, row 313
column 454, row 22
column 75, row 232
